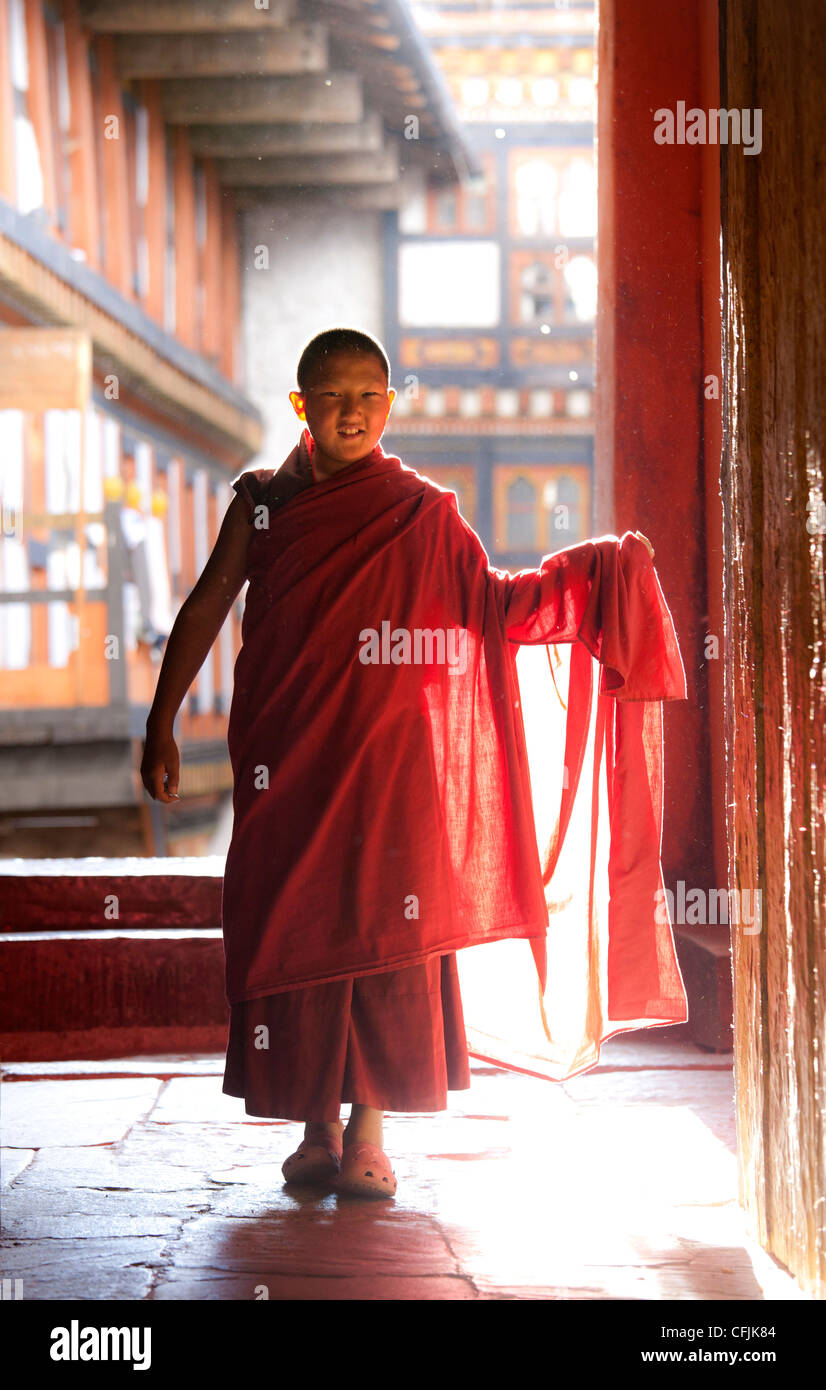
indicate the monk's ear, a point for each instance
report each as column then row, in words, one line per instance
column 297, row 401
column 391, row 396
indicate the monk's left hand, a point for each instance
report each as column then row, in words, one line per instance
column 646, row 542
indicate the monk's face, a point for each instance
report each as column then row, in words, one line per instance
column 345, row 407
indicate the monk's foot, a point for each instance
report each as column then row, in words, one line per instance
column 320, row 1164
column 364, row 1126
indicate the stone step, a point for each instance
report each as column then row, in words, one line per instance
column 82, row 894
column 111, row 993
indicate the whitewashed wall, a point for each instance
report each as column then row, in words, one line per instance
column 326, row 269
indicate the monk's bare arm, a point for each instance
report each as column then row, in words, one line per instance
column 196, row 627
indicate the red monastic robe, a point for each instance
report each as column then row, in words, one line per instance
column 383, row 758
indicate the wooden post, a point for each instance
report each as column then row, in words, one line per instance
column 655, row 262
column 84, row 193
column 8, row 188
column 774, row 266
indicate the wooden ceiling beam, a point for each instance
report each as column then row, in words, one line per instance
column 229, row 62
column 183, row 16
column 299, row 49
column 336, row 98
column 374, row 197
column 311, row 171
column 234, row 141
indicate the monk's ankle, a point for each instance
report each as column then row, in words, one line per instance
column 313, row 1128
column 362, row 1131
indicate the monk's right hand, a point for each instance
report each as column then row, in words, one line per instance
column 160, row 767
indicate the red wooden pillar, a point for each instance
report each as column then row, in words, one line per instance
column 156, row 210
column 8, row 186
column 118, row 268
column 84, row 193
column 658, row 429
column 185, row 258
column 40, row 107
column 231, row 362
column 211, row 344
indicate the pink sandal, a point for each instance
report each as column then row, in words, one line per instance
column 316, row 1160
column 365, row 1172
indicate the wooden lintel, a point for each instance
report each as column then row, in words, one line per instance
column 236, row 100
column 312, row 170
column 237, row 141
column 183, row 16
column 300, row 49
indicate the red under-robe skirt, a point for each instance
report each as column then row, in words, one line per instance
column 395, row 1041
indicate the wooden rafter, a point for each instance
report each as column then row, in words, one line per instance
column 299, row 49
column 267, row 100
column 316, row 137
column 297, row 78
column 184, row 16
column 314, row 170
column 373, row 197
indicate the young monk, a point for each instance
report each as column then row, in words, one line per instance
column 381, row 803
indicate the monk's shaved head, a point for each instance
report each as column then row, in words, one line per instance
column 335, row 340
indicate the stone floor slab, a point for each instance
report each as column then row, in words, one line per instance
column 46, row 1114
column 100, row 1269
column 13, row 1162
column 707, row 1095
column 197, row 1099
column 102, row 1204
column 217, row 1153
column 352, row 1239
column 102, row 1167
column 186, row 1284
column 41, row 1220
column 658, row 1047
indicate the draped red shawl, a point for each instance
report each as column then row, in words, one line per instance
column 384, row 809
